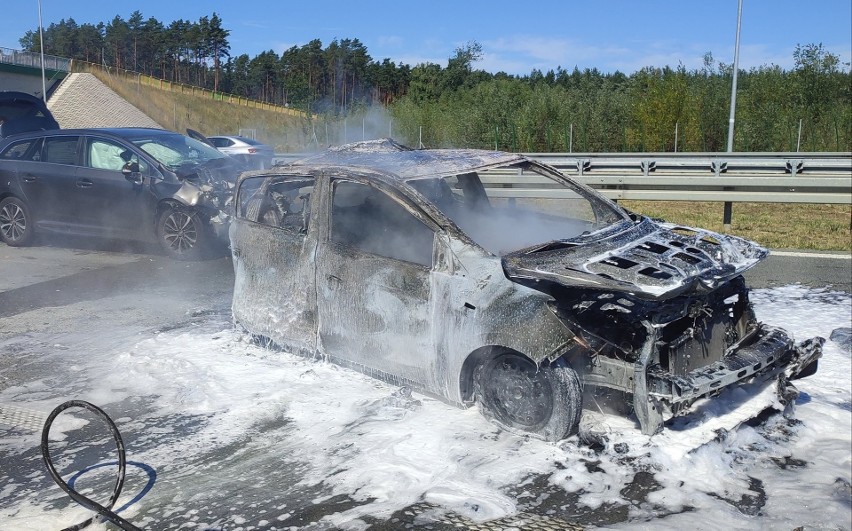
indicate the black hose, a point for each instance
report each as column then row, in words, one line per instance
column 105, row 512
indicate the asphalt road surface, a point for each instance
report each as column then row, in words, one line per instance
column 57, row 273
column 120, row 291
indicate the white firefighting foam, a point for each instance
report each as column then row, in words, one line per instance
column 243, row 437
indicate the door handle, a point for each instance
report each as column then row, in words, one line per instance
column 84, row 183
column 30, row 178
column 334, row 282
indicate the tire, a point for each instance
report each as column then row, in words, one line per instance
column 182, row 233
column 515, row 393
column 16, row 223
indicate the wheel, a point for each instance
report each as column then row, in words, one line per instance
column 181, row 233
column 515, row 393
column 16, row 224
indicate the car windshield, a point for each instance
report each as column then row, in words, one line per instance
column 511, row 208
column 175, row 150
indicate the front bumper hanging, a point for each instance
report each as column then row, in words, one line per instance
column 771, row 354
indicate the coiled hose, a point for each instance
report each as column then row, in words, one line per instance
column 104, row 512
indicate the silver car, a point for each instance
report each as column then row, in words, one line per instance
column 487, row 277
column 254, row 154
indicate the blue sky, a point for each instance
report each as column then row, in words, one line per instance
column 516, row 37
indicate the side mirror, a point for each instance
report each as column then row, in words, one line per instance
column 131, row 172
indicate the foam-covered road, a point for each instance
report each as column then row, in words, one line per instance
column 222, row 434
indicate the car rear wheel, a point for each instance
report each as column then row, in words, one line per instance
column 16, row 224
column 181, row 233
column 514, row 392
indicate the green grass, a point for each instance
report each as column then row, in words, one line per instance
column 774, row 225
column 178, row 112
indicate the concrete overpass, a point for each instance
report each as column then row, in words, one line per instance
column 21, row 71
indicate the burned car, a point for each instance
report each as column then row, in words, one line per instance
column 487, row 277
column 128, row 183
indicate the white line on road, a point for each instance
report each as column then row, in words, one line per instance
column 811, row 255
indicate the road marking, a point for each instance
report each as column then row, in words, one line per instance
column 18, row 417
column 811, row 255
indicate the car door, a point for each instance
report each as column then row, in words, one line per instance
column 273, row 247
column 113, row 202
column 373, row 284
column 47, row 180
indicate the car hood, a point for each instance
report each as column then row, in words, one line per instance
column 216, row 171
column 648, row 259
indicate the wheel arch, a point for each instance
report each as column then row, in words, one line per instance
column 485, row 352
column 474, row 359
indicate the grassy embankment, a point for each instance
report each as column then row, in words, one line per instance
column 775, row 225
column 177, row 112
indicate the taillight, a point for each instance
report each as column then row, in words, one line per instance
column 252, row 150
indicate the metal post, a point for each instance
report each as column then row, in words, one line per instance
column 734, row 81
column 41, row 47
column 675, row 150
column 726, row 222
column 799, row 139
column 571, row 140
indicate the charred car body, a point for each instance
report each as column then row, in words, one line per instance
column 416, row 267
column 129, row 183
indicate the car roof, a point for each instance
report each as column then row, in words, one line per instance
column 121, row 132
column 406, row 163
column 250, row 141
column 117, row 131
column 12, row 95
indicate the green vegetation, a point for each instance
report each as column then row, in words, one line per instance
column 808, row 108
column 180, row 112
column 773, row 225
column 456, row 105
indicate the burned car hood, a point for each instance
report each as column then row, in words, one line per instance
column 648, row 259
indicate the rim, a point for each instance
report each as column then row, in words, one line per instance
column 13, row 222
column 180, row 232
column 518, row 392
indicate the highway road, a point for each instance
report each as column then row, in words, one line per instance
column 55, row 274
column 81, row 297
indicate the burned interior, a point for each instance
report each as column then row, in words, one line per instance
column 485, row 277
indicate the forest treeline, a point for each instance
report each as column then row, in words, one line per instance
column 808, row 107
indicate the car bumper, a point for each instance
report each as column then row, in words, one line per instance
column 769, row 353
column 772, row 353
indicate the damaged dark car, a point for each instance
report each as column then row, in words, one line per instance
column 487, row 277
column 121, row 183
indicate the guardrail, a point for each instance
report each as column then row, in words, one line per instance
column 724, row 177
column 734, row 177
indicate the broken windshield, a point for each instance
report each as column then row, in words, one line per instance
column 175, row 151
column 511, row 208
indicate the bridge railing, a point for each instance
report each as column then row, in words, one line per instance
column 33, row 59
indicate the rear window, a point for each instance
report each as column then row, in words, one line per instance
column 23, row 150
column 278, row 201
column 60, row 150
column 221, row 142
